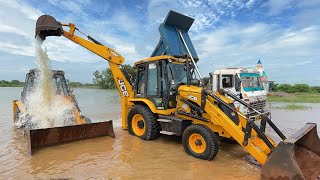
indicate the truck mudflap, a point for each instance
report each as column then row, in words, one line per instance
column 297, row 157
column 38, row 138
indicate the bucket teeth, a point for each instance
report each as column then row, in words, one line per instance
column 47, row 25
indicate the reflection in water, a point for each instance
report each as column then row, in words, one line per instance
column 126, row 156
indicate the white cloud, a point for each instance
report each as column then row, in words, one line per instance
column 277, row 6
column 240, row 45
column 77, row 7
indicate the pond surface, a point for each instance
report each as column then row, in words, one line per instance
column 125, row 157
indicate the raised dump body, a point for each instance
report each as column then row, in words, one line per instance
column 170, row 43
column 38, row 135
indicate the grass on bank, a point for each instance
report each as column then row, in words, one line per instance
column 297, row 98
column 294, row 107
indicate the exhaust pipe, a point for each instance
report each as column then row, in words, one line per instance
column 297, row 157
column 47, row 25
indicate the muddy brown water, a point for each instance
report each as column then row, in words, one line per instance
column 125, row 157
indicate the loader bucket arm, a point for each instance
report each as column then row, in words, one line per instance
column 297, row 157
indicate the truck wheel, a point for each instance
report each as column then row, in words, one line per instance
column 200, row 142
column 143, row 123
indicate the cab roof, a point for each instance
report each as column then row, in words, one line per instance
column 158, row 58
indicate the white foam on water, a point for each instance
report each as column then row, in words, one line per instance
column 45, row 108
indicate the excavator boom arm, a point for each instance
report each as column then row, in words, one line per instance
column 94, row 46
column 48, row 26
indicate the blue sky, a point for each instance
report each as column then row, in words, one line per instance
column 285, row 34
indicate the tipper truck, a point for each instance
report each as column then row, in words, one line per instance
column 245, row 83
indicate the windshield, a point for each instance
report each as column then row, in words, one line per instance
column 251, row 82
column 178, row 72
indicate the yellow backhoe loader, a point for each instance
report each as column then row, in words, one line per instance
column 167, row 98
column 80, row 127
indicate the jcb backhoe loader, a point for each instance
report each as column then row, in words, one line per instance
column 80, row 126
column 167, row 98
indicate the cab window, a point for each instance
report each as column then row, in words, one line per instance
column 140, row 84
column 227, row 81
column 152, row 88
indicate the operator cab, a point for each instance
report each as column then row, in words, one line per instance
column 158, row 79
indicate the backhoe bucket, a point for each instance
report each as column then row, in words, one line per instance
column 48, row 26
column 38, row 138
column 297, row 157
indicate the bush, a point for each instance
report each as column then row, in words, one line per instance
column 304, row 88
column 285, row 88
column 316, row 89
column 301, row 88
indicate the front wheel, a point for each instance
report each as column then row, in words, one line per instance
column 143, row 123
column 200, row 142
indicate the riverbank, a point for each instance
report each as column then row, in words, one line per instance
column 294, row 97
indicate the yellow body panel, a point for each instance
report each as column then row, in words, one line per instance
column 17, row 105
column 220, row 123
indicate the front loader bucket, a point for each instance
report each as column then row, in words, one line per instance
column 38, row 138
column 297, row 157
column 48, row 26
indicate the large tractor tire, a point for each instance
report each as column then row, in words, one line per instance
column 200, row 142
column 143, row 123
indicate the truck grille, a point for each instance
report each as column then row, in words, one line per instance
column 258, row 105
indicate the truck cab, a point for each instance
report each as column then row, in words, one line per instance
column 243, row 82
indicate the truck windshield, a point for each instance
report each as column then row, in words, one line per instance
column 251, row 82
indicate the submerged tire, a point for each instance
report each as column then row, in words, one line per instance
column 200, row 142
column 143, row 123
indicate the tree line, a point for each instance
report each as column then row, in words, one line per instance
column 17, row 83
column 104, row 80
column 13, row 83
column 296, row 88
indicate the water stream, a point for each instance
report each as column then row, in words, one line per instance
column 45, row 108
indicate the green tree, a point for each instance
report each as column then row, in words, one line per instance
column 316, row 89
column 104, row 79
column 285, row 88
column 301, row 88
column 275, row 87
column 13, row 83
column 206, row 81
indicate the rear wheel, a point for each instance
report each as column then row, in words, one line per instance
column 143, row 123
column 200, row 142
